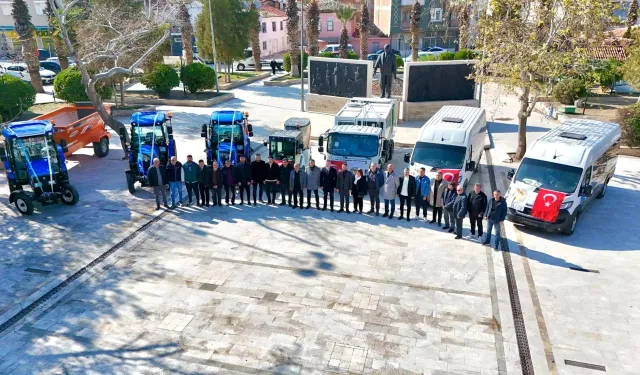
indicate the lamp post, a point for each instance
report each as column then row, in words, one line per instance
column 213, row 46
column 301, row 55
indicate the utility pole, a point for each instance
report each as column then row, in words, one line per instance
column 487, row 13
column 301, row 55
column 213, row 45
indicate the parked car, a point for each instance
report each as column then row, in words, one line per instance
column 435, row 50
column 374, row 56
column 52, row 66
column 56, row 60
column 47, row 76
column 335, row 48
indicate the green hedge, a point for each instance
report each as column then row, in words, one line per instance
column 352, row 55
column 629, row 118
column 68, row 86
column 198, row 77
column 465, row 54
column 428, row 58
column 568, row 90
column 286, row 61
column 399, row 61
column 326, row 54
column 444, row 56
column 15, row 96
column 161, row 79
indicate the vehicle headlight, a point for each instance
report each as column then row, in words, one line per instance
column 566, row 205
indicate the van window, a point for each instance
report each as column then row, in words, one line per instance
column 550, row 176
column 439, row 155
column 587, row 177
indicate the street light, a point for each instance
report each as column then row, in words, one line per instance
column 213, row 46
column 301, row 55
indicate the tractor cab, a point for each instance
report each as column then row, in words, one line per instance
column 32, row 158
column 151, row 137
column 292, row 142
column 227, row 136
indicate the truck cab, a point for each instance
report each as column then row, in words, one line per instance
column 227, row 136
column 32, row 159
column 151, row 137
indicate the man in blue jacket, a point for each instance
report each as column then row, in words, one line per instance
column 495, row 214
column 460, row 210
column 423, row 184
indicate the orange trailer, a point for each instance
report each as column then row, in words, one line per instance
column 79, row 126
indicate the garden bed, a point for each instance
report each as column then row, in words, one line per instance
column 178, row 98
column 241, row 78
column 284, row 80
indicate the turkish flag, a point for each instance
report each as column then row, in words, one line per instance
column 450, row 175
column 547, row 205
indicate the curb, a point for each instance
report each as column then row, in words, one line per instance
column 182, row 102
column 245, row 81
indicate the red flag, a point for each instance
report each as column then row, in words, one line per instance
column 547, row 205
column 450, row 175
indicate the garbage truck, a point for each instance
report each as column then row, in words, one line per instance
column 292, row 143
column 227, row 136
column 32, row 159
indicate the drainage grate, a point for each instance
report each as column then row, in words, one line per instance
column 38, row 271
column 590, row 366
column 583, row 269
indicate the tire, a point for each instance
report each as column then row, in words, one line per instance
column 24, row 203
column 130, row 183
column 240, row 67
column 572, row 227
column 279, row 67
column 70, row 195
column 101, row 149
column 603, row 191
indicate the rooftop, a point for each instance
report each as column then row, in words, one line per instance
column 267, row 11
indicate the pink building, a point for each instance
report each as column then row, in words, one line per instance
column 273, row 30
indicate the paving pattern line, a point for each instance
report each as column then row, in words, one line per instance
column 516, row 308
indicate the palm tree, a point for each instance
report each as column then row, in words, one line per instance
column 293, row 33
column 26, row 33
column 313, row 23
column 58, row 43
column 186, row 30
column 344, row 14
column 364, row 28
column 416, row 14
column 254, row 37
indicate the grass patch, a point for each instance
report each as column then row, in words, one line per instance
column 238, row 76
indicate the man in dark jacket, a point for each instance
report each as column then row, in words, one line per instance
column 476, row 205
column 344, row 186
column 328, row 181
column 174, row 174
column 204, row 183
column 283, row 182
column 297, row 184
column 406, row 191
column 495, row 214
column 271, row 180
column 229, row 182
column 459, row 210
column 375, row 182
column 243, row 178
column 191, row 171
column 217, row 182
column 386, row 62
column 448, row 198
column 157, row 175
column 258, row 173
column 273, row 65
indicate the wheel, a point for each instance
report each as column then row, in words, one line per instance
column 70, row 195
column 572, row 227
column 240, row 67
column 279, row 66
column 24, row 203
column 101, row 149
column 130, row 183
column 603, row 191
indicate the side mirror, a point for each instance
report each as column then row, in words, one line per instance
column 203, row 131
column 250, row 134
column 250, row 128
column 325, row 157
column 265, row 143
column 320, row 143
column 321, row 149
column 171, row 137
column 471, row 165
column 63, row 146
column 587, row 190
column 169, row 129
column 511, row 173
column 407, row 157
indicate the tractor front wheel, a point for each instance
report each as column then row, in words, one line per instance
column 24, row 203
column 70, row 195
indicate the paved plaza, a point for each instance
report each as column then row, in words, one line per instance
column 272, row 290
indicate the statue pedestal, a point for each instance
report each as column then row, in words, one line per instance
column 324, row 103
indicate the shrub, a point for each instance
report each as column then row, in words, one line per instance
column 68, row 86
column 399, row 61
column 324, row 54
column 629, row 119
column 428, row 58
column 352, row 55
column 161, row 79
column 15, row 96
column 286, row 61
column 465, row 54
column 447, row 56
column 197, row 77
column 607, row 73
column 568, row 90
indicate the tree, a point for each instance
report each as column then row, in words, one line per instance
column 230, row 21
column 27, row 34
column 631, row 67
column 632, row 18
column 116, row 40
column 462, row 8
column 313, row 25
column 529, row 41
column 58, row 43
column 186, row 30
column 293, row 33
column 364, row 27
column 416, row 13
column 345, row 15
column 254, row 36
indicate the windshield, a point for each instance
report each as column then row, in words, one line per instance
column 439, row 155
column 146, row 134
column 223, row 132
column 550, row 176
column 281, row 149
column 352, row 145
column 38, row 148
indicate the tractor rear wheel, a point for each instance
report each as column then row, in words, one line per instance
column 70, row 195
column 101, row 149
column 131, row 183
column 24, row 203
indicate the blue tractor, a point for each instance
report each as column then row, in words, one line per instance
column 227, row 136
column 32, row 158
column 151, row 137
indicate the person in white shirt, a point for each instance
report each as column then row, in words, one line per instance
column 407, row 192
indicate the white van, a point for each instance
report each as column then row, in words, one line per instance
column 249, row 63
column 453, row 139
column 335, row 48
column 578, row 158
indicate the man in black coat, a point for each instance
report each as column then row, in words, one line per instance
column 476, row 206
column 271, row 180
column 283, row 182
column 158, row 179
column 243, row 178
column 258, row 174
column 204, row 183
column 407, row 192
column 328, row 181
column 229, row 182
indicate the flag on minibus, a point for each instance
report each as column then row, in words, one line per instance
column 450, row 175
column 547, row 205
